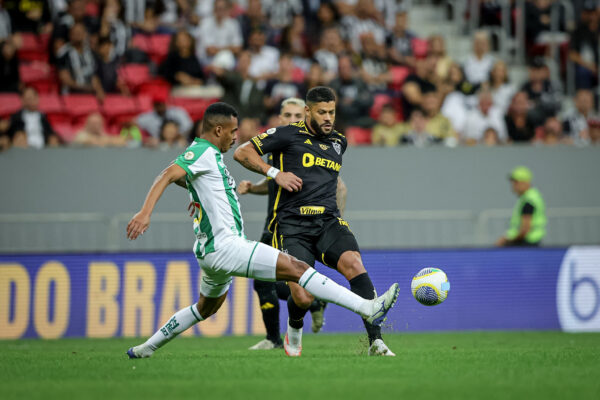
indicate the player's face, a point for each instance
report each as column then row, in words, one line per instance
column 228, row 134
column 291, row 113
column 322, row 117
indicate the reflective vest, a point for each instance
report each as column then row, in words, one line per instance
column 537, row 230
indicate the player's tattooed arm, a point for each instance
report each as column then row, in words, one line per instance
column 341, row 193
column 250, row 159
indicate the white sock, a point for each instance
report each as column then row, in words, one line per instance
column 179, row 322
column 294, row 335
column 325, row 289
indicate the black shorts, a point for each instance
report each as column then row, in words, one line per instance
column 323, row 238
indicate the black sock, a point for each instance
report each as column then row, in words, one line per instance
column 296, row 314
column 269, row 307
column 362, row 286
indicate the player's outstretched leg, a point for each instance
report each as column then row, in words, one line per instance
column 269, row 307
column 298, row 303
column 179, row 322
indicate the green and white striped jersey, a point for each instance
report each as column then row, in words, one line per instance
column 212, row 189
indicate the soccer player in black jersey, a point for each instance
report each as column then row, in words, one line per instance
column 269, row 293
column 306, row 223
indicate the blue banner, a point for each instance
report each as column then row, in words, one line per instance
column 132, row 294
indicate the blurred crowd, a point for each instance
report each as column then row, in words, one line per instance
column 140, row 72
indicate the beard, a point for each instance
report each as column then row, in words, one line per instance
column 317, row 128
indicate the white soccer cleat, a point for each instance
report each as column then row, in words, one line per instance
column 141, row 351
column 378, row 348
column 292, row 344
column 264, row 344
column 383, row 304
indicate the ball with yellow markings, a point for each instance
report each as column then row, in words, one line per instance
column 430, row 286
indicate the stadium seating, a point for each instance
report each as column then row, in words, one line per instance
column 79, row 106
column 39, row 75
column 159, row 47
column 134, row 75
column 194, row 106
column 34, row 47
column 10, row 103
column 379, row 101
column 419, row 47
column 358, row 136
column 399, row 75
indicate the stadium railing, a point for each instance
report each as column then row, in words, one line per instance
column 96, row 232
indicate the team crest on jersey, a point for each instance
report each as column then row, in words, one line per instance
column 271, row 131
column 323, row 146
column 337, row 147
column 189, row 155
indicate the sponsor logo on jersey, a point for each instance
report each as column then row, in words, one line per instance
column 309, row 160
column 189, row 155
column 312, row 210
column 307, row 141
column 337, row 147
column 323, row 146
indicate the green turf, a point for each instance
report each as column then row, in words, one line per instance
column 546, row 365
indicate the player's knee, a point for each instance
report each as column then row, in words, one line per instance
column 350, row 264
column 302, row 298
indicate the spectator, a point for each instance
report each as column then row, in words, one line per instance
column 170, row 137
column 537, row 15
column 181, row 66
column 418, row 83
column 399, row 42
column 152, row 121
column 459, row 97
column 327, row 17
column 544, row 94
column 94, row 135
column 241, row 90
column 9, row 67
column 29, row 16
column 265, row 59
column 551, row 133
column 283, row 86
column 113, row 26
column 253, row 19
column 479, row 64
column 144, row 15
column 217, row 33
column 354, row 98
column 437, row 49
column 5, row 24
column 519, row 125
column 327, row 55
column 576, row 121
column 77, row 68
column 314, row 77
column 388, row 131
column 29, row 127
column 415, row 133
column 484, row 117
column 528, row 222
column 364, row 20
column 107, row 68
column 583, row 48
column 249, row 127
column 295, row 42
column 281, row 12
column 500, row 87
column 76, row 15
column 437, row 125
column 594, row 124
column 374, row 67
column 490, row 138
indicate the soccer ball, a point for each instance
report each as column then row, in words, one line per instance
column 430, row 286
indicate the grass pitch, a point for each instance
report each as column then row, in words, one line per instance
column 531, row 365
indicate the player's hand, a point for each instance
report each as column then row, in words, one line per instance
column 191, row 208
column 138, row 225
column 289, row 181
column 244, row 187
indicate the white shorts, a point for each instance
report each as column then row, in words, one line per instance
column 239, row 257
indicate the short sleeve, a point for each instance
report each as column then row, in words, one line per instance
column 195, row 161
column 527, row 209
column 273, row 139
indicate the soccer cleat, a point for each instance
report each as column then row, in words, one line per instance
column 378, row 348
column 265, row 344
column 383, row 304
column 318, row 318
column 139, row 352
column 292, row 344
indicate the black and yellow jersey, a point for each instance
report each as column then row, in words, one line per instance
column 316, row 160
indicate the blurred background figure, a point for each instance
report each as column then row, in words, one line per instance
column 29, row 127
column 94, row 134
column 528, row 222
column 170, row 136
column 388, row 130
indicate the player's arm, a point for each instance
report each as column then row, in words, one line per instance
column 340, row 195
column 261, row 187
column 247, row 155
column 140, row 221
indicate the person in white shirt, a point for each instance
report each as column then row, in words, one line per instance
column 575, row 123
column 479, row 64
column 486, row 116
column 264, row 62
column 29, row 127
column 502, row 90
column 218, row 32
column 152, row 121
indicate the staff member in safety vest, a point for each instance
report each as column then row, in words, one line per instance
column 528, row 221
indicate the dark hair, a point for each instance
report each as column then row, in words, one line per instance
column 162, row 128
column 173, row 47
column 320, row 94
column 216, row 114
column 104, row 40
